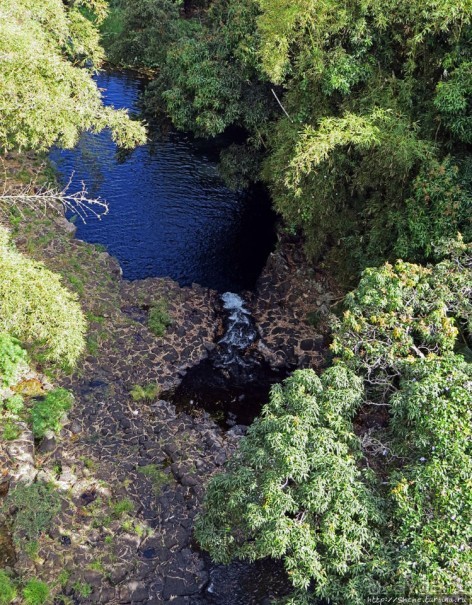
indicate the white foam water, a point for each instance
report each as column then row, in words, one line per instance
column 240, row 331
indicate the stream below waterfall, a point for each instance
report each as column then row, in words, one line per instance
column 170, row 215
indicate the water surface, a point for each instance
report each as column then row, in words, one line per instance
column 170, row 213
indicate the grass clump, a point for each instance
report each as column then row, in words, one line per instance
column 47, row 413
column 15, row 404
column 122, row 507
column 35, row 507
column 7, row 589
column 35, row 592
column 159, row 319
column 11, row 431
column 156, row 475
column 82, row 589
column 144, row 393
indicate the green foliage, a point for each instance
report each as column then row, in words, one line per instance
column 373, row 110
column 12, row 359
column 15, row 404
column 63, row 578
column 431, row 492
column 239, row 166
column 82, row 588
column 440, row 206
column 34, row 506
column 159, row 319
column 35, row 592
column 148, row 392
column 404, row 312
column 48, row 94
column 362, row 111
column 7, row 589
column 11, row 431
column 146, row 31
column 121, row 507
column 304, row 488
column 31, row 549
column 294, row 491
column 453, row 101
column 156, row 475
column 111, row 29
column 47, row 412
column 37, row 309
column 207, row 79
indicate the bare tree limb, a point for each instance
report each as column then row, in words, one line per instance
column 43, row 198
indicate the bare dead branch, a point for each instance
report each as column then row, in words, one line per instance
column 46, row 198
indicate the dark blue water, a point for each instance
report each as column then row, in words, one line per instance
column 170, row 214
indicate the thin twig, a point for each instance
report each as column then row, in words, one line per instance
column 280, row 103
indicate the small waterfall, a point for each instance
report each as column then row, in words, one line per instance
column 233, row 382
column 240, row 332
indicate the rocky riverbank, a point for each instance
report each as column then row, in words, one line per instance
column 131, row 470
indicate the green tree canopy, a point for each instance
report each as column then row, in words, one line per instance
column 431, row 492
column 47, row 96
column 294, row 490
column 367, row 154
column 37, row 309
column 362, row 484
column 404, row 312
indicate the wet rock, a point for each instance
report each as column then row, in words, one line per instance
column 118, row 573
column 189, row 480
column 220, row 458
column 307, row 344
column 75, row 427
column 47, row 445
column 178, row 537
column 66, row 226
column 67, row 479
column 239, row 430
column 133, row 592
column 177, row 586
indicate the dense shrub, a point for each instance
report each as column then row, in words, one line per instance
column 12, row 359
column 206, row 79
column 431, row 491
column 440, row 205
column 37, row 309
column 47, row 412
column 294, row 490
column 404, row 311
column 360, row 111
